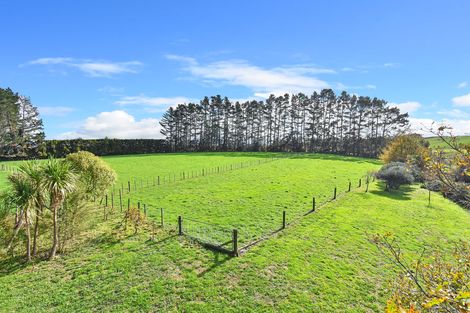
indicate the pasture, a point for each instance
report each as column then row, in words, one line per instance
column 322, row 262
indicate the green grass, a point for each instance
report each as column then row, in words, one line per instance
column 436, row 142
column 252, row 199
column 320, row 263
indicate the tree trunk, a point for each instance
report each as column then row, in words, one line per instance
column 36, row 234
column 28, row 236
column 55, row 242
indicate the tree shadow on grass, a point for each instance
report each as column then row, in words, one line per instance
column 402, row 194
column 12, row 264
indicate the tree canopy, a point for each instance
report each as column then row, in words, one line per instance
column 323, row 122
column 21, row 128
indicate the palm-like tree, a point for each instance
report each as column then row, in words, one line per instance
column 34, row 172
column 59, row 180
column 23, row 196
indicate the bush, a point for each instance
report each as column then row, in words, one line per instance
column 395, row 174
column 404, row 147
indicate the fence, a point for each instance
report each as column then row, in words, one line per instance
column 212, row 236
column 226, row 239
column 156, row 181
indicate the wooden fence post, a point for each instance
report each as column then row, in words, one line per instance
column 120, row 199
column 367, row 185
column 180, row 226
column 349, row 188
column 334, row 194
column 129, row 186
column 235, row 242
column 313, row 204
column 106, row 200
column 161, row 217
column 138, row 205
column 283, row 219
column 128, row 203
column 158, row 180
column 429, row 198
column 112, row 201
column 145, row 209
column 360, row 182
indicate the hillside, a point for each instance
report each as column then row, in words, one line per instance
column 321, row 263
column 436, row 142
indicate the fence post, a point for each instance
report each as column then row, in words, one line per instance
column 349, row 188
column 112, row 201
column 129, row 186
column 429, row 198
column 145, row 209
column 283, row 219
column 334, row 194
column 106, row 200
column 313, row 204
column 158, row 180
column 180, row 226
column 184, row 176
column 235, row 242
column 161, row 216
column 128, row 203
column 367, row 185
column 360, row 182
column 138, row 205
column 120, row 199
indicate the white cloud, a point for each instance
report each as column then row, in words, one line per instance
column 454, row 113
column 462, row 101
column 409, row 106
column 56, row 111
column 277, row 80
column 116, row 124
column 462, row 85
column 95, row 68
column 423, row 126
column 391, row 65
column 152, row 101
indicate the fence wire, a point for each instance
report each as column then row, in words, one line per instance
column 208, row 233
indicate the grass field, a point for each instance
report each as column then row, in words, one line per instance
column 321, row 263
column 436, row 142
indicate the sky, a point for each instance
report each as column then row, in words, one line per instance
column 111, row 68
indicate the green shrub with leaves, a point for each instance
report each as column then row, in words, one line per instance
column 95, row 174
column 395, row 174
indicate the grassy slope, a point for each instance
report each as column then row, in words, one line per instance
column 252, row 199
column 436, row 142
column 322, row 264
column 149, row 166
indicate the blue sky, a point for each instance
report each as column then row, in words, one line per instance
column 111, row 68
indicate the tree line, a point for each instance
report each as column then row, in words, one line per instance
column 21, row 128
column 323, row 122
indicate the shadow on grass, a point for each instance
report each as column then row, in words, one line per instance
column 219, row 259
column 260, row 155
column 12, row 264
column 402, row 194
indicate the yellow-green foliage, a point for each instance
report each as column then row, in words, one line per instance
column 402, row 147
column 95, row 173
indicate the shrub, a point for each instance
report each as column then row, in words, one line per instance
column 395, row 174
column 403, row 147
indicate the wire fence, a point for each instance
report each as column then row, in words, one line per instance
column 228, row 239
column 138, row 184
